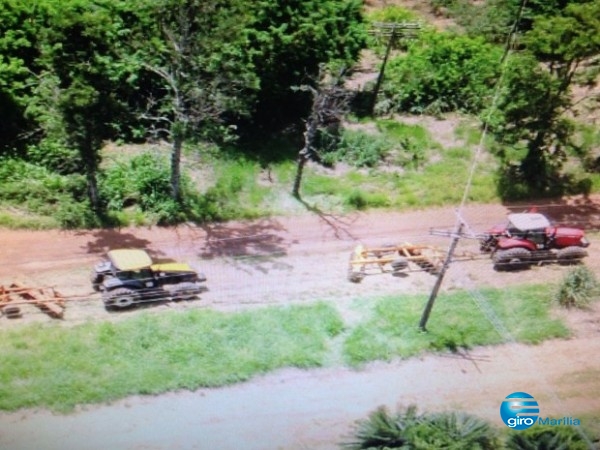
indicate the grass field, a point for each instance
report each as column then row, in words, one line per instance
column 458, row 323
column 58, row 368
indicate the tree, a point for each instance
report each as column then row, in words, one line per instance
column 329, row 103
column 195, row 51
column 442, row 72
column 538, row 96
column 494, row 20
column 21, row 24
column 79, row 52
column 288, row 41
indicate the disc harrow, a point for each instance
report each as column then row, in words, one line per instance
column 394, row 259
column 48, row 300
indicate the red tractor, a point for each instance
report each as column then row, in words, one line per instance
column 529, row 238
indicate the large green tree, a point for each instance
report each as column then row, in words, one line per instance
column 289, row 40
column 80, row 57
column 20, row 26
column 218, row 61
column 537, row 97
column 192, row 50
column 494, row 20
column 442, row 72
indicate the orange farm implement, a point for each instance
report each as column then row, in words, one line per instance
column 394, row 259
column 14, row 296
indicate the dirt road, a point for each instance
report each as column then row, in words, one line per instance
column 276, row 260
column 300, row 259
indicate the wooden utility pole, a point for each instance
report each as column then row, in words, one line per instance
column 382, row 70
column 438, row 282
column 394, row 31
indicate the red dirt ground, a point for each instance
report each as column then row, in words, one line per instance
column 301, row 259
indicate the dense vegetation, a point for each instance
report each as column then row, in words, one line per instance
column 230, row 86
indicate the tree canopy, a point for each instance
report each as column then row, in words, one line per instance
column 75, row 74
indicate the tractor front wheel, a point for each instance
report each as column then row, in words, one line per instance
column 96, row 280
column 512, row 259
column 120, row 298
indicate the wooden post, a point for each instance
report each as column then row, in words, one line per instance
column 382, row 70
column 438, row 282
column 403, row 29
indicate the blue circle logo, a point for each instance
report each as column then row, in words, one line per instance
column 519, row 410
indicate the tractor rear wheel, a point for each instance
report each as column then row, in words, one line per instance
column 512, row 259
column 120, row 298
column 571, row 255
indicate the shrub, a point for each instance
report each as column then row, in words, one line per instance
column 408, row 429
column 55, row 156
column 143, row 181
column 235, row 195
column 359, row 149
column 360, row 200
column 578, row 288
column 393, row 13
column 73, row 215
column 415, row 141
column 390, row 14
column 454, row 430
column 18, row 170
column 547, row 437
column 35, row 189
column 510, row 184
column 442, row 72
column 383, row 430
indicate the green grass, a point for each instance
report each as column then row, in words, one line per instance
column 425, row 187
column 424, row 171
column 58, row 368
column 456, row 323
column 26, row 221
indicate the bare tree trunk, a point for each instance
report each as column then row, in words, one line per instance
column 329, row 102
column 90, row 160
column 302, row 159
column 176, row 167
column 303, row 155
column 93, row 188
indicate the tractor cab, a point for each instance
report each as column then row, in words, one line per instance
column 123, row 266
column 532, row 227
